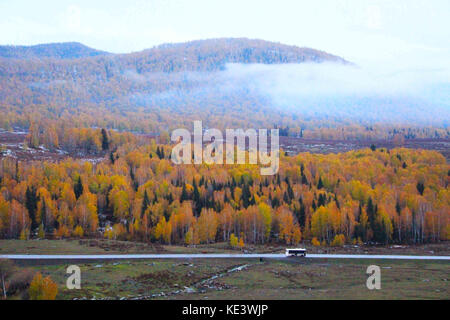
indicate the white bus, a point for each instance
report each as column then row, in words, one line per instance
column 296, row 252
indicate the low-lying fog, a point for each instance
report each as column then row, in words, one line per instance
column 415, row 95
column 349, row 91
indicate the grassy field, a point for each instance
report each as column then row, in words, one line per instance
column 102, row 246
column 335, row 279
column 73, row 246
column 232, row 279
column 250, row 279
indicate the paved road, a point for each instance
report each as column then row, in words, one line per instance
column 210, row 256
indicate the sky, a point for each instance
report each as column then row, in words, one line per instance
column 362, row 31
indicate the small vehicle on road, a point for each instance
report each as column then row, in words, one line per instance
column 296, row 252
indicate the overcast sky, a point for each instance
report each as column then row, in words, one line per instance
column 397, row 31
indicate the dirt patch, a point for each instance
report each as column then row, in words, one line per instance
column 294, row 145
column 13, row 146
column 123, row 246
column 158, row 279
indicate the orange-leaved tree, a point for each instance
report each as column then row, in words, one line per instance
column 42, row 288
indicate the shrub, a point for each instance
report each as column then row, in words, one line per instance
column 78, row 232
column 338, row 241
column 233, row 241
column 42, row 288
column 315, row 242
column 62, row 232
column 241, row 243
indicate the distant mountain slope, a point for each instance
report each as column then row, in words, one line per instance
column 200, row 55
column 111, row 78
column 66, row 50
column 225, row 82
column 205, row 77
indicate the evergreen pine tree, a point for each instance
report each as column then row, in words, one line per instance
column 196, row 198
column 184, row 195
column 78, row 188
column 301, row 219
column 105, row 140
column 320, row 184
column 145, row 203
column 420, row 188
column 31, row 205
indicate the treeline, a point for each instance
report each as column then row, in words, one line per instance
column 161, row 120
column 382, row 196
column 87, row 141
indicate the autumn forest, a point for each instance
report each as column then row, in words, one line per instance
column 114, row 178
column 137, row 193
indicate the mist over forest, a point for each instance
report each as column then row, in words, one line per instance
column 320, row 91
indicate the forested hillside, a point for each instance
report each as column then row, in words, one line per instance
column 152, row 78
column 170, row 86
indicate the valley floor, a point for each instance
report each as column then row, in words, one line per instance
column 295, row 278
column 103, row 246
column 14, row 146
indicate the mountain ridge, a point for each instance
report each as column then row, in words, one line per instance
column 57, row 50
column 223, row 50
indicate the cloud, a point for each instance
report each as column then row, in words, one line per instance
column 366, row 93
